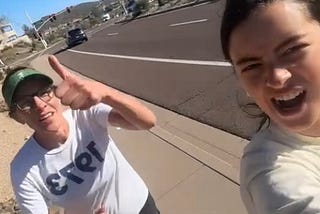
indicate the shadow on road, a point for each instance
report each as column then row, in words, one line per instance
column 126, row 21
column 60, row 51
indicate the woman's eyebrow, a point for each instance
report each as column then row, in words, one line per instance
column 288, row 41
column 40, row 90
column 29, row 95
column 283, row 44
column 244, row 60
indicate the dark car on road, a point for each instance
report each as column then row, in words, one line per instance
column 133, row 9
column 75, row 36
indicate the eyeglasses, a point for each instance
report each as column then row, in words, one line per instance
column 27, row 102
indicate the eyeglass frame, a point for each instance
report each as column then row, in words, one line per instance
column 47, row 91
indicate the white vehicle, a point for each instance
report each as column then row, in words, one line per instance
column 106, row 17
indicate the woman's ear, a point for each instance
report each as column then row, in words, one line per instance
column 17, row 116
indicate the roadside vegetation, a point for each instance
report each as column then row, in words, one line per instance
column 21, row 50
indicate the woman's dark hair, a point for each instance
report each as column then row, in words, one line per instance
column 236, row 12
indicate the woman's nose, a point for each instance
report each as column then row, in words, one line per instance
column 278, row 78
column 39, row 103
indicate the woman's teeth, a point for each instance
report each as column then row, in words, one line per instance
column 46, row 116
column 290, row 101
column 288, row 96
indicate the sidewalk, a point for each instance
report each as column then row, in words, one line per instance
column 189, row 167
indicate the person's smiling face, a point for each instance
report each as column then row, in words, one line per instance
column 45, row 114
column 275, row 53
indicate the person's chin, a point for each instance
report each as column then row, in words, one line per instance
column 49, row 126
column 47, row 129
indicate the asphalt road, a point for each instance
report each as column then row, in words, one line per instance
column 173, row 60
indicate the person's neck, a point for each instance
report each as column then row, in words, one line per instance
column 52, row 140
column 313, row 132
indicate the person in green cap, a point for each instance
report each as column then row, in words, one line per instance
column 71, row 161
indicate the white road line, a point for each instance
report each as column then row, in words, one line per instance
column 187, row 23
column 112, row 34
column 178, row 61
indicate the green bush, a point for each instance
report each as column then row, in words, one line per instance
column 143, row 5
column 6, row 48
column 22, row 44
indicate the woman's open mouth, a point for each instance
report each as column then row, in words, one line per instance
column 46, row 116
column 290, row 103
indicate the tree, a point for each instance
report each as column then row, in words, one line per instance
column 107, row 8
column 97, row 12
column 143, row 5
column 160, row 3
column 27, row 30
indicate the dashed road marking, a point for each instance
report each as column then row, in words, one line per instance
column 187, row 23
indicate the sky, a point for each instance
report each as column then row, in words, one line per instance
column 14, row 10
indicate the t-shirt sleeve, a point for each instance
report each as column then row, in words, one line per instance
column 29, row 199
column 290, row 189
column 100, row 114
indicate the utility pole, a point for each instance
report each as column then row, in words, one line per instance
column 2, row 63
column 35, row 29
column 121, row 2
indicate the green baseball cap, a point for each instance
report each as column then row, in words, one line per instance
column 11, row 83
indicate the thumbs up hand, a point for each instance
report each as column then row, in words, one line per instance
column 74, row 91
column 100, row 211
column 81, row 94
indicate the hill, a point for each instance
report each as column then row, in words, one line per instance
column 76, row 12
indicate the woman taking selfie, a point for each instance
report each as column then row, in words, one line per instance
column 274, row 46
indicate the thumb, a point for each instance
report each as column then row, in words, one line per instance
column 100, row 211
column 59, row 69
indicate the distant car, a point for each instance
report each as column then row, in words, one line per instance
column 106, row 17
column 75, row 36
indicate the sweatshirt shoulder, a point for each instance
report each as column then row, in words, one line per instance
column 27, row 158
column 261, row 155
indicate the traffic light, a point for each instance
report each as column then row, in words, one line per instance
column 40, row 36
column 68, row 9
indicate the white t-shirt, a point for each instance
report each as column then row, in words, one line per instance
column 280, row 173
column 85, row 172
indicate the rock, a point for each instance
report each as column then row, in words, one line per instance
column 3, row 106
column 10, row 207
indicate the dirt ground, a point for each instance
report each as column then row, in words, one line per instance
column 12, row 138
